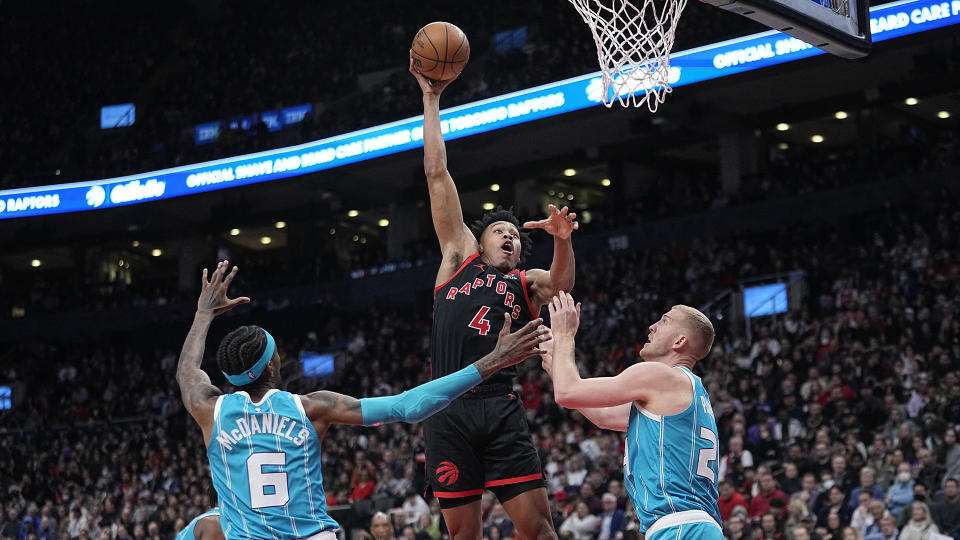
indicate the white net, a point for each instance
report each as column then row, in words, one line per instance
column 634, row 39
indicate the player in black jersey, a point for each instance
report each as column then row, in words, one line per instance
column 482, row 441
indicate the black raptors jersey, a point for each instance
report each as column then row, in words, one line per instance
column 468, row 315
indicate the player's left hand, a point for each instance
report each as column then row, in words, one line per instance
column 564, row 315
column 559, row 224
column 213, row 293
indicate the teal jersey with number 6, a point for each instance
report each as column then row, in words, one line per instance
column 670, row 462
column 265, row 462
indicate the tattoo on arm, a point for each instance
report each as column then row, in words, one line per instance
column 334, row 408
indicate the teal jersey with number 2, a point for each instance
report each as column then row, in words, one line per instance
column 265, row 462
column 670, row 462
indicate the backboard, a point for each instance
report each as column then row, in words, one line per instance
column 840, row 27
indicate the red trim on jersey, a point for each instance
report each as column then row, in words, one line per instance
column 514, row 480
column 455, row 494
column 526, row 296
column 462, row 266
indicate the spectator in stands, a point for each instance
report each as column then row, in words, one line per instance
column 797, row 512
column 877, row 512
column 381, row 528
column 900, row 493
column 835, row 505
column 734, row 528
column 833, row 529
column 946, row 513
column 950, row 454
column 582, row 525
column 761, row 502
column 611, row 518
column 868, row 485
column 414, row 507
column 920, row 526
column 851, row 533
column 861, row 516
column 769, row 527
column 729, row 499
column 800, row 533
column 363, row 486
column 735, row 461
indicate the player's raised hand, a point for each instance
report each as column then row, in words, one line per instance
column 564, row 315
column 213, row 293
column 429, row 86
column 560, row 224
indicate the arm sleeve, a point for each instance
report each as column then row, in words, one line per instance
column 421, row 402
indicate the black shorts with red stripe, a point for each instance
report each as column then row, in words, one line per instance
column 481, row 441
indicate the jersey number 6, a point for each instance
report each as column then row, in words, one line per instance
column 259, row 481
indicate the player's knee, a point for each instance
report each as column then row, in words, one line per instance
column 543, row 530
column 465, row 531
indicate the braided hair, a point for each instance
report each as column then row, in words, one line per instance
column 239, row 351
column 503, row 214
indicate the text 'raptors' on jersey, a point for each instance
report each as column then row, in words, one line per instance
column 468, row 313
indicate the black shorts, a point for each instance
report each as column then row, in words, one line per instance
column 481, row 441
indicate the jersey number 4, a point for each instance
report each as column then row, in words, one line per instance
column 261, row 482
column 480, row 322
column 482, row 325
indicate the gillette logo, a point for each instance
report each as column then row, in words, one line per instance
column 137, row 191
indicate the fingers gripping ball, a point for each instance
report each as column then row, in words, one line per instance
column 440, row 50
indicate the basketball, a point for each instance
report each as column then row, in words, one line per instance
column 440, row 50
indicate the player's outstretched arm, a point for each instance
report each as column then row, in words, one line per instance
column 456, row 240
column 429, row 398
column 636, row 383
column 615, row 418
column 199, row 395
column 545, row 284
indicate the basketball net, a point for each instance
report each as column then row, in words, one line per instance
column 634, row 39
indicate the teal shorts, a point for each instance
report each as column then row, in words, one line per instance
column 689, row 531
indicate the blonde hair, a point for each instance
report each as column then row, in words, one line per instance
column 701, row 327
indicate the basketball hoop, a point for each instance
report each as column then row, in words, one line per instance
column 634, row 39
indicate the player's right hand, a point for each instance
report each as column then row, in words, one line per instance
column 429, row 86
column 513, row 348
column 213, row 294
column 564, row 315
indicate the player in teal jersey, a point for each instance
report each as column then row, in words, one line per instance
column 263, row 444
column 206, row 526
column 670, row 455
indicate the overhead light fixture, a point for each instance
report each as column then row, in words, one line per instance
column 560, row 194
column 280, row 224
column 783, row 126
column 943, row 115
column 494, row 187
column 569, row 172
column 234, row 232
column 356, row 238
column 353, row 213
column 911, row 101
column 333, row 231
column 120, row 263
column 135, row 243
column 783, row 146
column 605, row 182
column 488, row 206
column 551, row 193
column 156, row 252
column 384, row 222
column 570, row 196
column 840, row 115
column 363, row 240
column 265, row 240
column 35, row 263
column 816, row 139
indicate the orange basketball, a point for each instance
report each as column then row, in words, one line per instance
column 440, row 50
